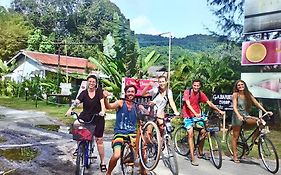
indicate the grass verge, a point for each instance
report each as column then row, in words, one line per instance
column 53, row 110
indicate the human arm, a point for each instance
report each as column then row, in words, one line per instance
column 258, row 105
column 74, row 104
column 186, row 99
column 103, row 109
column 145, row 89
column 172, row 104
column 191, row 108
column 235, row 106
column 211, row 105
column 114, row 105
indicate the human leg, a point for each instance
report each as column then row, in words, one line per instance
column 253, row 121
column 235, row 135
column 202, row 141
column 113, row 160
column 191, row 146
column 99, row 130
column 117, row 143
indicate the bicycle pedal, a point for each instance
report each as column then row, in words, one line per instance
column 93, row 157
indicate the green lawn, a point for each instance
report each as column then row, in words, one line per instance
column 52, row 110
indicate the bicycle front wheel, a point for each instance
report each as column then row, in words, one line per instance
column 80, row 159
column 268, row 154
column 150, row 146
column 215, row 150
column 127, row 159
column 181, row 142
column 169, row 156
column 240, row 144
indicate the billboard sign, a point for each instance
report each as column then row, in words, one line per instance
column 139, row 83
column 263, row 85
column 223, row 101
column 265, row 52
column 262, row 16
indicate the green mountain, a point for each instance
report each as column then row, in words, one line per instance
column 196, row 42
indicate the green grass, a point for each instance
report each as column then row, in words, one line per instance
column 55, row 111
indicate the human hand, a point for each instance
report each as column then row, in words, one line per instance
column 197, row 115
column 68, row 113
column 102, row 113
column 222, row 112
column 240, row 118
column 177, row 114
column 106, row 93
column 270, row 113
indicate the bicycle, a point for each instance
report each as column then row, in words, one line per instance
column 211, row 125
column 83, row 134
column 168, row 152
column 149, row 146
column 128, row 155
column 266, row 149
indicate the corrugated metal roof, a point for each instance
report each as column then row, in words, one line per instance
column 65, row 61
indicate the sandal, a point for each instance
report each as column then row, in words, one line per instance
column 203, row 156
column 75, row 152
column 236, row 161
column 103, row 168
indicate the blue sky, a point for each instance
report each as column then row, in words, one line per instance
column 180, row 17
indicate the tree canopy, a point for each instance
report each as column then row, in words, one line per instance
column 14, row 31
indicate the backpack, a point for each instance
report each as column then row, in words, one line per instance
column 189, row 95
column 158, row 92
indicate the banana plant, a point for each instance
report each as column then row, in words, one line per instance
column 145, row 63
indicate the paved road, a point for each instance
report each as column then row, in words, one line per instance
column 19, row 121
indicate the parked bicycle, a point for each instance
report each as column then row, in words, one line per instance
column 211, row 125
column 168, row 149
column 245, row 144
column 83, row 134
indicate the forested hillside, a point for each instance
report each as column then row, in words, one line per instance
column 196, row 42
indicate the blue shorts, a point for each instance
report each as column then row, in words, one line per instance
column 190, row 123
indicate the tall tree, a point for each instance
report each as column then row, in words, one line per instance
column 14, row 31
column 84, row 23
column 230, row 17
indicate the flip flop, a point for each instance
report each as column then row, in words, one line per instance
column 103, row 168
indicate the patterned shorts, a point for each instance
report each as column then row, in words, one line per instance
column 119, row 139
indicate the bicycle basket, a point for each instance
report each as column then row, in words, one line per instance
column 80, row 133
column 213, row 123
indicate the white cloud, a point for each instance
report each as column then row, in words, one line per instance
column 142, row 24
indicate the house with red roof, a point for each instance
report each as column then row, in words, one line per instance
column 30, row 63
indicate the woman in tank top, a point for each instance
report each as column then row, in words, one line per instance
column 242, row 100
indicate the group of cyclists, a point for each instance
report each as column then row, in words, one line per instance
column 95, row 100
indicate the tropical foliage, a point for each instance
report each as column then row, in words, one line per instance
column 217, row 74
column 14, row 30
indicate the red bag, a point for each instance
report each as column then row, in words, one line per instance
column 80, row 134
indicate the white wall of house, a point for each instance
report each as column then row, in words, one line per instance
column 26, row 69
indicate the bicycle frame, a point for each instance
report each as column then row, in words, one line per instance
column 85, row 143
column 245, row 139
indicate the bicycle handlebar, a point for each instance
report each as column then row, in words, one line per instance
column 82, row 121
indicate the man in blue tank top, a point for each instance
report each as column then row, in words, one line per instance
column 126, row 122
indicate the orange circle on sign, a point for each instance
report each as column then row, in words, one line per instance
column 256, row 52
